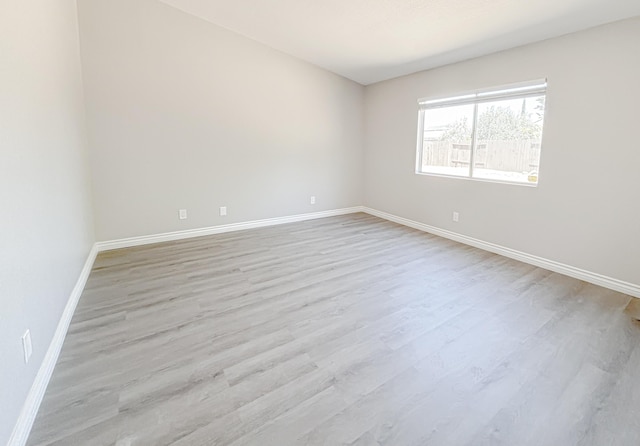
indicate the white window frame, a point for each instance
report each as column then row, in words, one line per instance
column 511, row 91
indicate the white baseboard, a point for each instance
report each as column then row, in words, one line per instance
column 179, row 235
column 30, row 408
column 568, row 270
column 34, row 398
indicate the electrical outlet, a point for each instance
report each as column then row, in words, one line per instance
column 456, row 216
column 223, row 211
column 312, row 200
column 26, row 346
column 183, row 214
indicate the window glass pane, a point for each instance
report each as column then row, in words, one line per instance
column 446, row 145
column 508, row 137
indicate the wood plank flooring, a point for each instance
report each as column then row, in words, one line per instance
column 347, row 330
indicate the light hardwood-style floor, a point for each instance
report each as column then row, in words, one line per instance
column 345, row 330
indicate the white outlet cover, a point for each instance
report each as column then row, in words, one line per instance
column 312, row 200
column 27, row 347
column 183, row 214
column 223, row 210
column 456, row 216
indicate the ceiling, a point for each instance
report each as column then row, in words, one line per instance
column 373, row 40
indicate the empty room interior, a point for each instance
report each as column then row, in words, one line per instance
column 296, row 222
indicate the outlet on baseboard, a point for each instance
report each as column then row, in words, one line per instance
column 223, row 211
column 456, row 216
column 27, row 347
column 182, row 213
column 312, row 200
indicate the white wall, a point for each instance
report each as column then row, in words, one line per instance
column 585, row 211
column 185, row 114
column 46, row 228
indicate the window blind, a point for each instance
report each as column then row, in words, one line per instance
column 512, row 91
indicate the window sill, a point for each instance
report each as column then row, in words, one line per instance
column 482, row 180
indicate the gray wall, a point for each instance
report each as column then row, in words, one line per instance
column 46, row 228
column 585, row 210
column 184, row 114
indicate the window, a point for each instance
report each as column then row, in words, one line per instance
column 489, row 134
